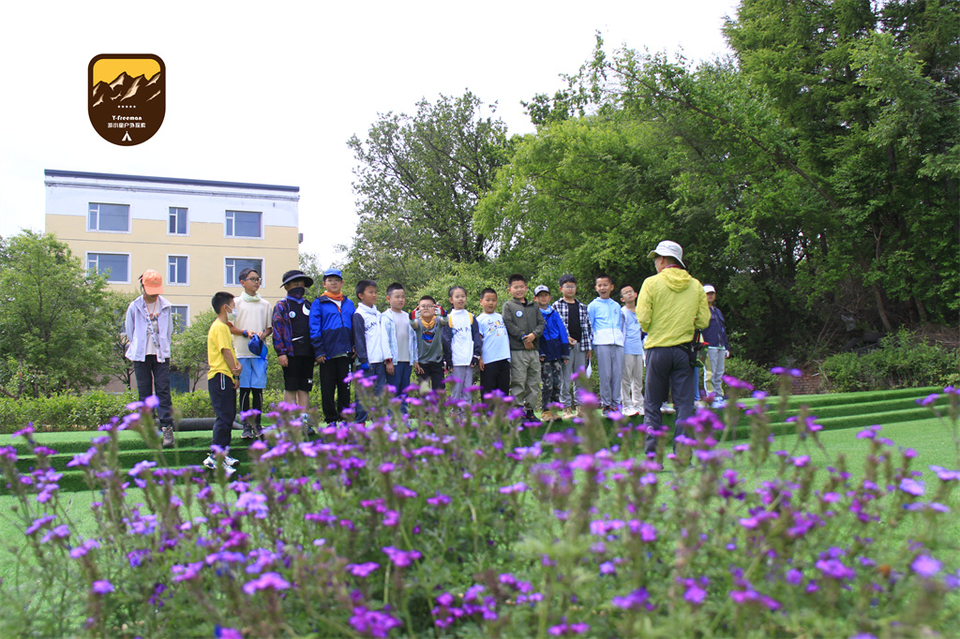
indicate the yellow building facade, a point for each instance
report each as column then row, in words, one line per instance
column 198, row 233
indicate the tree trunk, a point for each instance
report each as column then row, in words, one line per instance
column 887, row 326
column 921, row 310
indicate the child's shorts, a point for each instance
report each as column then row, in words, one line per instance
column 254, row 372
column 298, row 373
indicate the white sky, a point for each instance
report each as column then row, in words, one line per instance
column 270, row 92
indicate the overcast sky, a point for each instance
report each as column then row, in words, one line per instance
column 270, row 92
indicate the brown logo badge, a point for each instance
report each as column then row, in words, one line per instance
column 127, row 96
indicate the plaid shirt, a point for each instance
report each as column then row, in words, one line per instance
column 561, row 307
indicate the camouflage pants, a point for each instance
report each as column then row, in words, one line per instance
column 551, row 374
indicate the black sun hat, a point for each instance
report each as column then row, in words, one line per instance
column 296, row 274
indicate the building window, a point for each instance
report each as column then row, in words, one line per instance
column 181, row 318
column 178, row 221
column 114, row 266
column 233, row 266
column 177, row 269
column 243, row 224
column 108, row 217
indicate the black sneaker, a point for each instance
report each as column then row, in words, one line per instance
column 531, row 416
column 247, row 432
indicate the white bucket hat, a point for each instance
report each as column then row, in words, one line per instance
column 667, row 248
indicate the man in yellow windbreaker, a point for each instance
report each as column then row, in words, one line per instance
column 670, row 306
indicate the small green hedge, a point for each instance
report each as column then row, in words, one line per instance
column 904, row 360
column 749, row 371
column 90, row 410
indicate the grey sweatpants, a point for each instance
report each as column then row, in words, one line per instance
column 717, row 364
column 568, row 390
column 610, row 368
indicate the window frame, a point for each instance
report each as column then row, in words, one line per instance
column 90, row 229
column 186, row 268
column 236, row 282
column 186, row 223
column 231, row 222
column 174, row 315
column 86, row 262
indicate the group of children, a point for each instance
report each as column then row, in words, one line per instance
column 529, row 351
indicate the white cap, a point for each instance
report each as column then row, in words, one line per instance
column 540, row 289
column 708, row 288
column 667, row 248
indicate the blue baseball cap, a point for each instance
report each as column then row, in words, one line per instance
column 332, row 272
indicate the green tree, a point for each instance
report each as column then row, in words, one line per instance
column 188, row 353
column 418, row 180
column 869, row 93
column 57, row 324
column 118, row 365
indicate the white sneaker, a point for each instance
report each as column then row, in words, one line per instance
column 667, row 409
column 629, row 412
column 230, row 461
column 211, row 463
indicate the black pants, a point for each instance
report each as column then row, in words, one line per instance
column 332, row 373
column 252, row 396
column 153, row 378
column 433, row 371
column 668, row 368
column 223, row 398
column 496, row 376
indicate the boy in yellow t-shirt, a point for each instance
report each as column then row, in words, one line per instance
column 223, row 378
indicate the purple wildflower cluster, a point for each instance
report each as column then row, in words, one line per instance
column 353, row 531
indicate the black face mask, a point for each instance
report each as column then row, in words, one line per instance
column 297, row 293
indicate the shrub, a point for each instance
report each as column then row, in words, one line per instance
column 747, row 370
column 460, row 521
column 904, row 360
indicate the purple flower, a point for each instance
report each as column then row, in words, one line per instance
column 634, row 601
column 361, row 570
column 568, row 629
column 944, row 474
column 438, row 500
column 695, row 594
column 834, row 568
column 519, row 487
column 84, row 548
column 607, row 568
column 372, row 622
column 928, row 400
column 38, row 524
column 401, row 558
column 102, row 587
column 925, row 566
column 268, row 580
column 403, row 492
column 912, row 487
column 733, row 382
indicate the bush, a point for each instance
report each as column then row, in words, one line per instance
column 92, row 409
column 749, row 371
column 473, row 526
column 63, row 412
column 904, row 360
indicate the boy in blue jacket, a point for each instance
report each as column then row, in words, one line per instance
column 554, row 352
column 331, row 331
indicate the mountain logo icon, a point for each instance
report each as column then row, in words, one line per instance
column 126, row 96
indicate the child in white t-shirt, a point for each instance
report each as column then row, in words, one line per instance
column 462, row 343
